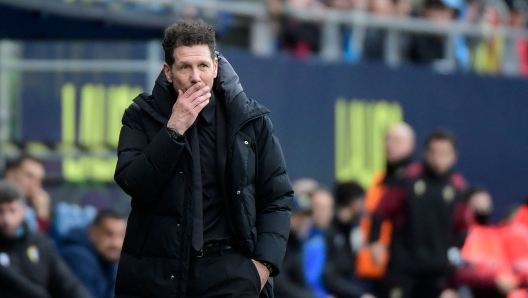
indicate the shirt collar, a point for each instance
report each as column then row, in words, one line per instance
column 209, row 110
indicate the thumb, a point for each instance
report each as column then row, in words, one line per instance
column 180, row 92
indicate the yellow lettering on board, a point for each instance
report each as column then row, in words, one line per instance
column 99, row 123
column 360, row 137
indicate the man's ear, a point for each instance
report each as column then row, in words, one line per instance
column 215, row 63
column 166, row 70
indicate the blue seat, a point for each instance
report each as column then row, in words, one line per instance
column 69, row 216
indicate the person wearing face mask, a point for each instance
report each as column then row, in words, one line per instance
column 428, row 215
column 484, row 266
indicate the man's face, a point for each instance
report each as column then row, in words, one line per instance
column 399, row 144
column 28, row 176
column 108, row 238
column 12, row 215
column 323, row 209
column 191, row 65
column 441, row 156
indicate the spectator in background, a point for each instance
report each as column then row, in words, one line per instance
column 488, row 54
column 28, row 172
column 515, row 60
column 429, row 49
column 373, row 257
column 323, row 210
column 93, row 253
column 291, row 282
column 484, row 266
column 374, row 46
column 429, row 217
column 342, row 240
column 29, row 264
column 315, row 248
column 300, row 38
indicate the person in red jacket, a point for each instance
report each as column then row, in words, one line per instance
column 428, row 216
column 484, row 266
column 514, row 236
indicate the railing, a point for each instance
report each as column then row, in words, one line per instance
column 262, row 36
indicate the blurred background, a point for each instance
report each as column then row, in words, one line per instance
column 336, row 74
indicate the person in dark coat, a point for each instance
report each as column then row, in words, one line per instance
column 92, row 253
column 430, row 217
column 292, row 283
column 29, row 265
column 342, row 242
column 210, row 194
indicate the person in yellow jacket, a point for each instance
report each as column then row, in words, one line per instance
column 372, row 259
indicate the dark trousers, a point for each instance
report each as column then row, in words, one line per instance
column 228, row 275
column 397, row 284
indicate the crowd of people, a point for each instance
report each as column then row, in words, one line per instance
column 419, row 231
column 490, row 54
column 36, row 263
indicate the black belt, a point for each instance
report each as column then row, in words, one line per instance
column 215, row 249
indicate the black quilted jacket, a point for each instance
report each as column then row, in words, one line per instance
column 156, row 172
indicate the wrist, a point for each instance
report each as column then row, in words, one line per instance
column 268, row 266
column 175, row 134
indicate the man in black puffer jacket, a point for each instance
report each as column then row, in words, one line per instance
column 210, row 194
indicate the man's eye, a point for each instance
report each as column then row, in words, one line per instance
column 205, row 65
column 184, row 67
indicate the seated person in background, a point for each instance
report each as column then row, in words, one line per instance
column 323, row 211
column 314, row 248
column 483, row 265
column 342, row 241
column 300, row 38
column 29, row 265
column 28, row 172
column 427, row 48
column 291, row 282
column 93, row 253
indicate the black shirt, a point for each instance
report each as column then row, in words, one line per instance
column 214, row 221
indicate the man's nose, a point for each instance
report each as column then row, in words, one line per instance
column 195, row 76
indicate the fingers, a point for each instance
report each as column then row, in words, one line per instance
column 197, row 109
column 195, row 103
column 194, row 91
column 194, row 88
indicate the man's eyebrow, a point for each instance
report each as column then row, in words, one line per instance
column 188, row 63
